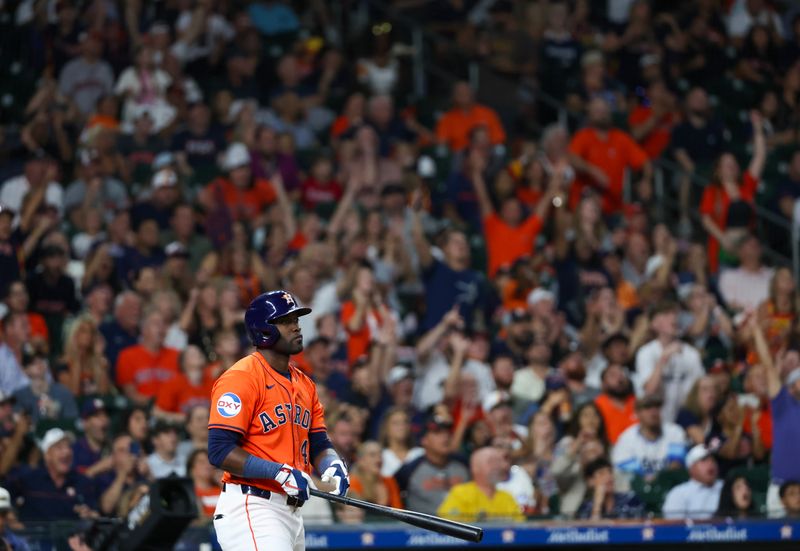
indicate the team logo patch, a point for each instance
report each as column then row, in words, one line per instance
column 229, row 405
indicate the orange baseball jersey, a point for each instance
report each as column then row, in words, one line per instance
column 273, row 414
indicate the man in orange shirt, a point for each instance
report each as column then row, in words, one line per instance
column 616, row 402
column 509, row 236
column 454, row 127
column 601, row 154
column 143, row 367
column 652, row 121
column 245, row 197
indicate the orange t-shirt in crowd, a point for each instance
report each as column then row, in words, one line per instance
column 243, row 203
column 715, row 203
column 38, row 326
column 178, row 395
column 208, row 498
column 146, row 371
column 392, row 489
column 506, row 243
column 616, row 420
column 613, row 155
column 627, row 295
column 455, row 125
column 273, row 413
column 764, row 425
column 357, row 341
column 658, row 139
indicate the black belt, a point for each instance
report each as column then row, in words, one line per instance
column 291, row 501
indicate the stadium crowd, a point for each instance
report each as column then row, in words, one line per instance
column 502, row 328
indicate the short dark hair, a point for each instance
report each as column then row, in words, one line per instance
column 594, row 466
column 786, row 485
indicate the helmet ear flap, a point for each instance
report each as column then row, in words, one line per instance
column 270, row 335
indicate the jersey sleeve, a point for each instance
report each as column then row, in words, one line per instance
column 637, row 157
column 126, row 367
column 233, row 401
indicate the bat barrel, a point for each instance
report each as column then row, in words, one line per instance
column 428, row 522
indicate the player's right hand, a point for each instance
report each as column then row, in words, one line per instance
column 294, row 482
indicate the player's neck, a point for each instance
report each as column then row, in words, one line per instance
column 278, row 362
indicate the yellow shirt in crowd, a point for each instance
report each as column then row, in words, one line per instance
column 467, row 503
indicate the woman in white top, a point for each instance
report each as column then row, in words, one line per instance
column 143, row 86
column 395, row 438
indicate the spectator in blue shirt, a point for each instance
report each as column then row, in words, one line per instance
column 88, row 451
column 122, row 331
column 16, row 542
column 55, row 491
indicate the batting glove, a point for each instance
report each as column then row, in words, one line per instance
column 294, row 482
column 337, row 474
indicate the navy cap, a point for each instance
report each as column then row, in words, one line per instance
column 91, row 407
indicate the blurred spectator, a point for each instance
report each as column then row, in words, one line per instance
column 83, row 368
column 651, row 445
column 143, row 367
column 196, row 428
column 90, row 458
column 129, row 470
column 190, row 388
column 123, row 330
column 728, row 440
column 727, row 204
column 744, row 14
column 87, row 77
column 616, row 401
column 367, row 482
column 515, row 480
column 164, row 460
column 746, row 287
column 205, row 482
column 425, row 482
column 43, row 399
column 696, row 415
column 666, row 365
column 143, row 86
column 457, row 123
column 136, row 423
column 790, row 498
column 789, row 190
column 198, row 146
column 396, row 438
column 699, row 497
column 537, row 455
column 480, row 499
column 602, row 154
column 604, row 502
column 7, row 516
column 736, row 499
column 653, row 119
column 93, row 188
column 9, row 250
column 54, row 491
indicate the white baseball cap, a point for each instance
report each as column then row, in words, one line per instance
column 494, row 399
column 165, row 177
column 5, row 499
column 697, row 453
column 237, row 155
column 538, row 295
column 53, row 437
column 397, row 374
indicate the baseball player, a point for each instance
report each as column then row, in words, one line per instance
column 267, row 431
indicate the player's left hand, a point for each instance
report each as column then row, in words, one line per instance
column 336, row 474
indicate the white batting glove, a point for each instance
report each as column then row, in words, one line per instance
column 337, row 475
column 295, row 482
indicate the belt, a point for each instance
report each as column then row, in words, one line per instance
column 291, row 501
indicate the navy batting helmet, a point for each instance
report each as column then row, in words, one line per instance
column 263, row 310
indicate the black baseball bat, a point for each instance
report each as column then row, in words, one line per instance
column 422, row 520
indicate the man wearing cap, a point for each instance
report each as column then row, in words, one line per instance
column 666, row 365
column 699, row 497
column 500, row 417
column 426, row 481
column 55, row 491
column 89, row 450
column 164, row 195
column 16, row 542
column 245, row 197
column 183, row 230
column 650, row 445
